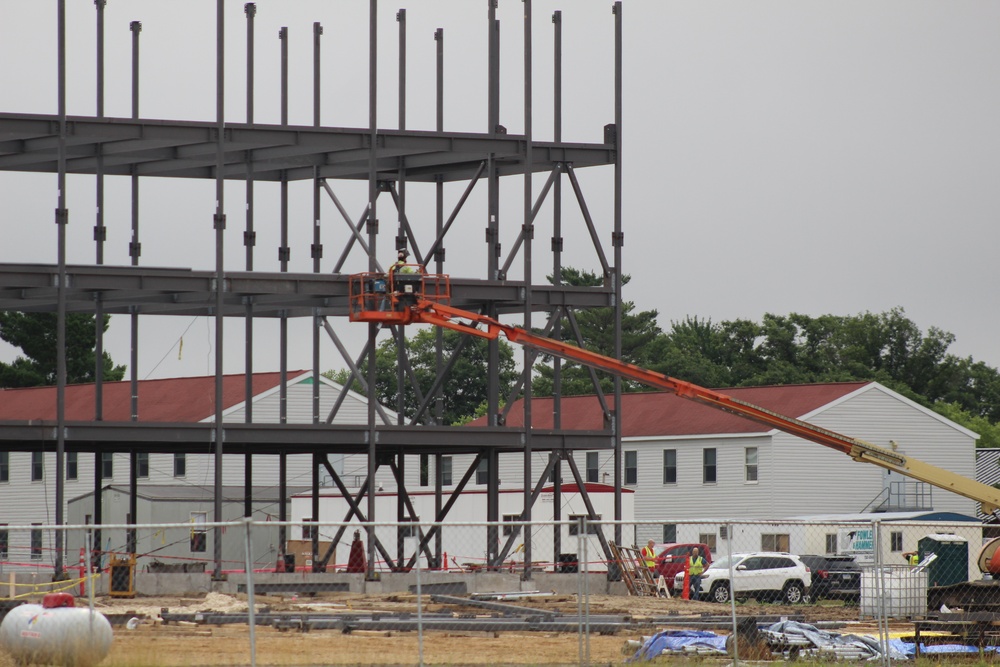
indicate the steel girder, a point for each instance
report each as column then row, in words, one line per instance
column 152, row 291
column 188, row 149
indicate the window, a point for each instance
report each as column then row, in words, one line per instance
column 669, row 466
column 483, row 472
column 508, row 518
column 36, row 542
column 307, row 530
column 631, row 468
column 670, row 532
column 774, row 542
column 446, row 470
column 574, row 526
column 107, row 465
column 4, row 541
column 593, row 469
column 708, row 470
column 896, row 541
column 72, row 465
column 750, row 466
column 180, row 465
column 708, row 539
column 425, row 470
column 4, row 466
column 831, row 543
column 142, row 464
column 37, row 466
column 724, row 532
column 199, row 536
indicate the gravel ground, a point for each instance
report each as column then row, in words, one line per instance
column 153, row 643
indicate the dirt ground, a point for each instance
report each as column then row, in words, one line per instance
column 152, row 643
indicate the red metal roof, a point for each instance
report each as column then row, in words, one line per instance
column 664, row 414
column 183, row 400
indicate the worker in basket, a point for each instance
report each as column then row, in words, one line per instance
column 399, row 267
column 403, row 281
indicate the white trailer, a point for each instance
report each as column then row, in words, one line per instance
column 464, row 530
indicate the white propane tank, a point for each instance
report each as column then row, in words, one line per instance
column 56, row 633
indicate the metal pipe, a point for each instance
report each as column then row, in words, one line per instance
column 557, row 243
column 220, row 227
column 283, row 255
column 438, row 255
column 372, row 239
column 62, row 219
column 618, row 241
column 135, row 250
column 249, row 240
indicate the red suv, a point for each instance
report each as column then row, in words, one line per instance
column 670, row 559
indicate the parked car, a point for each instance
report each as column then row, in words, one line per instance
column 834, row 577
column 670, row 559
column 768, row 576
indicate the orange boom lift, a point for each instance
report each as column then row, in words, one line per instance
column 422, row 298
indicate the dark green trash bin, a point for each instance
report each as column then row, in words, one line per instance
column 952, row 563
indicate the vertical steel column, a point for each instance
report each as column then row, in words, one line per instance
column 618, row 239
column 61, row 220
column 528, row 236
column 557, row 245
column 100, row 236
column 317, row 255
column 220, row 276
column 401, row 499
column 249, row 240
column 492, row 262
column 372, row 237
column 135, row 250
column 283, row 255
column 439, row 268
column 100, row 233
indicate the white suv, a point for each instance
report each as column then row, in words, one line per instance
column 764, row 575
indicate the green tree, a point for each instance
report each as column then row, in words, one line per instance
column 597, row 333
column 35, row 334
column 464, row 388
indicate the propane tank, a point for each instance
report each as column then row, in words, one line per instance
column 56, row 633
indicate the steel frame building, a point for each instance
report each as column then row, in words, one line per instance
column 387, row 159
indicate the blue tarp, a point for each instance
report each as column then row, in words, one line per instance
column 677, row 640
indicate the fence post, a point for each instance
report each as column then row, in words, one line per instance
column 580, row 590
column 251, row 618
column 420, row 614
column 732, row 592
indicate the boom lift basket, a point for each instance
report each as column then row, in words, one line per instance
column 389, row 298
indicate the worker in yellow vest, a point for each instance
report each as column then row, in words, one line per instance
column 648, row 554
column 912, row 558
column 696, row 565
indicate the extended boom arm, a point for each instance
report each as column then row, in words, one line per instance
column 439, row 314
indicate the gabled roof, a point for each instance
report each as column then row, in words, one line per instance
column 179, row 400
column 659, row 414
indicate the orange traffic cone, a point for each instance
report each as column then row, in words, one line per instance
column 686, row 590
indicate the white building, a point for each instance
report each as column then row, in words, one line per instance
column 686, row 461
column 27, row 488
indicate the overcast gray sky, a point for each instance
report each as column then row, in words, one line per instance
column 833, row 156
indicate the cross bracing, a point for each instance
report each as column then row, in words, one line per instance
column 262, row 155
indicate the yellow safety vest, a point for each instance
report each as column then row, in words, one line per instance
column 913, row 559
column 648, row 557
column 696, row 565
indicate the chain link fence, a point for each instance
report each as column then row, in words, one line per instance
column 572, row 592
